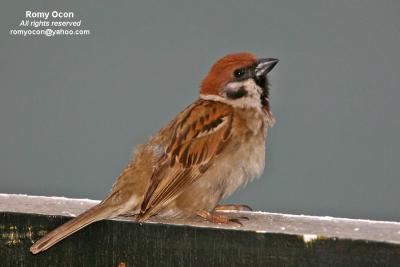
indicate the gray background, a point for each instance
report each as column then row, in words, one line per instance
column 72, row 108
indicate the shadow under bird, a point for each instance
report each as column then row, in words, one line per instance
column 203, row 155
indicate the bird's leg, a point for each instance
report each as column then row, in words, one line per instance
column 218, row 218
column 232, row 207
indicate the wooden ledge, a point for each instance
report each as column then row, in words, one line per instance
column 266, row 239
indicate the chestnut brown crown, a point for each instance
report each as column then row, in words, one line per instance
column 222, row 72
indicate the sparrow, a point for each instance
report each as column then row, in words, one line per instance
column 211, row 148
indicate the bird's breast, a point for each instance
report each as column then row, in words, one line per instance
column 245, row 158
column 241, row 161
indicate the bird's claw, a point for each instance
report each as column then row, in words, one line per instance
column 221, row 219
column 232, row 207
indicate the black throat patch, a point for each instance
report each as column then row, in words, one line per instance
column 263, row 83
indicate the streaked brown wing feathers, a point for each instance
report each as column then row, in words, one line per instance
column 199, row 135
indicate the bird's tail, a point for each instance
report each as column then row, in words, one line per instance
column 96, row 213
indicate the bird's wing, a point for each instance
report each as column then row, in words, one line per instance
column 199, row 134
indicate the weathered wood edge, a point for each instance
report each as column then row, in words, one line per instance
column 265, row 240
column 310, row 227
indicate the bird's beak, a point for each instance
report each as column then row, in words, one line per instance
column 265, row 65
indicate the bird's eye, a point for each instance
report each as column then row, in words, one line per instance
column 239, row 73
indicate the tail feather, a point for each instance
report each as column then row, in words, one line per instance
column 96, row 213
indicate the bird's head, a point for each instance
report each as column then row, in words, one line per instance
column 240, row 80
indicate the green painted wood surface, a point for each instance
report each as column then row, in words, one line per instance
column 110, row 243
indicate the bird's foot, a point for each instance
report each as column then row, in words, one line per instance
column 232, row 207
column 220, row 219
column 129, row 214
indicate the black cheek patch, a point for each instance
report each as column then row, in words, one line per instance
column 236, row 94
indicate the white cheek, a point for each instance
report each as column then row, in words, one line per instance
column 253, row 94
column 251, row 100
column 234, row 86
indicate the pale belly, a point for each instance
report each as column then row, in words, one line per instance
column 240, row 164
